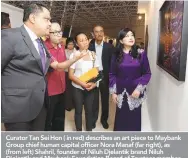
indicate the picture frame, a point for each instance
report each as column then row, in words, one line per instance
column 173, row 38
column 146, row 39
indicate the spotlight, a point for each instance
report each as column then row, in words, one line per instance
column 139, row 17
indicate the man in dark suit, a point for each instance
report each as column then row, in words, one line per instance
column 104, row 51
column 5, row 24
column 24, row 64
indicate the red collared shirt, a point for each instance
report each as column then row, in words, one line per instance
column 56, row 79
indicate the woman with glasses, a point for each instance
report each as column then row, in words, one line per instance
column 69, row 49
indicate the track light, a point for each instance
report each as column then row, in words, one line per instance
column 139, row 17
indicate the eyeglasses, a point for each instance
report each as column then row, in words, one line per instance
column 57, row 33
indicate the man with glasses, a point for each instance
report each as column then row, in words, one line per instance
column 56, row 81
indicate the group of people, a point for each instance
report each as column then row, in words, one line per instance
column 40, row 79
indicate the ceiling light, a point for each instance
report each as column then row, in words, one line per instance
column 139, row 17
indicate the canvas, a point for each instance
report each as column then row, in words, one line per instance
column 173, row 38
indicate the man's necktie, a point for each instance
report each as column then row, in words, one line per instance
column 42, row 53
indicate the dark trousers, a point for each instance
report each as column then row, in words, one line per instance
column 83, row 97
column 38, row 124
column 55, row 119
column 69, row 104
column 104, row 89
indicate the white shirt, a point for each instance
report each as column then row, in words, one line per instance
column 33, row 37
column 82, row 66
column 68, row 54
column 99, row 48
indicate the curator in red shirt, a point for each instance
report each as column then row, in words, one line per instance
column 56, row 81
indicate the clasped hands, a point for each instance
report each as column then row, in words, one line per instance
column 89, row 86
column 135, row 94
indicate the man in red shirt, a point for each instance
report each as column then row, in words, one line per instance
column 56, row 81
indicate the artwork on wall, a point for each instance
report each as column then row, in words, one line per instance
column 173, row 38
column 146, row 38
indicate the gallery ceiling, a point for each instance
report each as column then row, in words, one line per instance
column 81, row 15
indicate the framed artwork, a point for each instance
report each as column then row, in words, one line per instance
column 173, row 38
column 146, row 38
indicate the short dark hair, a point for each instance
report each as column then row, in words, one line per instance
column 110, row 41
column 69, row 40
column 5, row 20
column 32, row 8
column 97, row 26
column 75, row 39
column 77, row 34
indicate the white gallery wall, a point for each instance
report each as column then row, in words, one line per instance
column 16, row 14
column 167, row 98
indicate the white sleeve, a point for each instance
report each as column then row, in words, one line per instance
column 97, row 65
column 73, row 65
column 96, row 61
column 97, row 83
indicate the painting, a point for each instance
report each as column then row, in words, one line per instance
column 173, row 38
column 146, row 38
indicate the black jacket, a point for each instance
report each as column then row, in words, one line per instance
column 107, row 52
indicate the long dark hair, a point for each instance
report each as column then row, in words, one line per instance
column 119, row 46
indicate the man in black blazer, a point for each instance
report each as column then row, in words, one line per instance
column 24, row 64
column 104, row 51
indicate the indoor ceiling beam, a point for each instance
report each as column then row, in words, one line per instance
column 101, row 12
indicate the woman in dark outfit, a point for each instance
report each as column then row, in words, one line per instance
column 69, row 49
